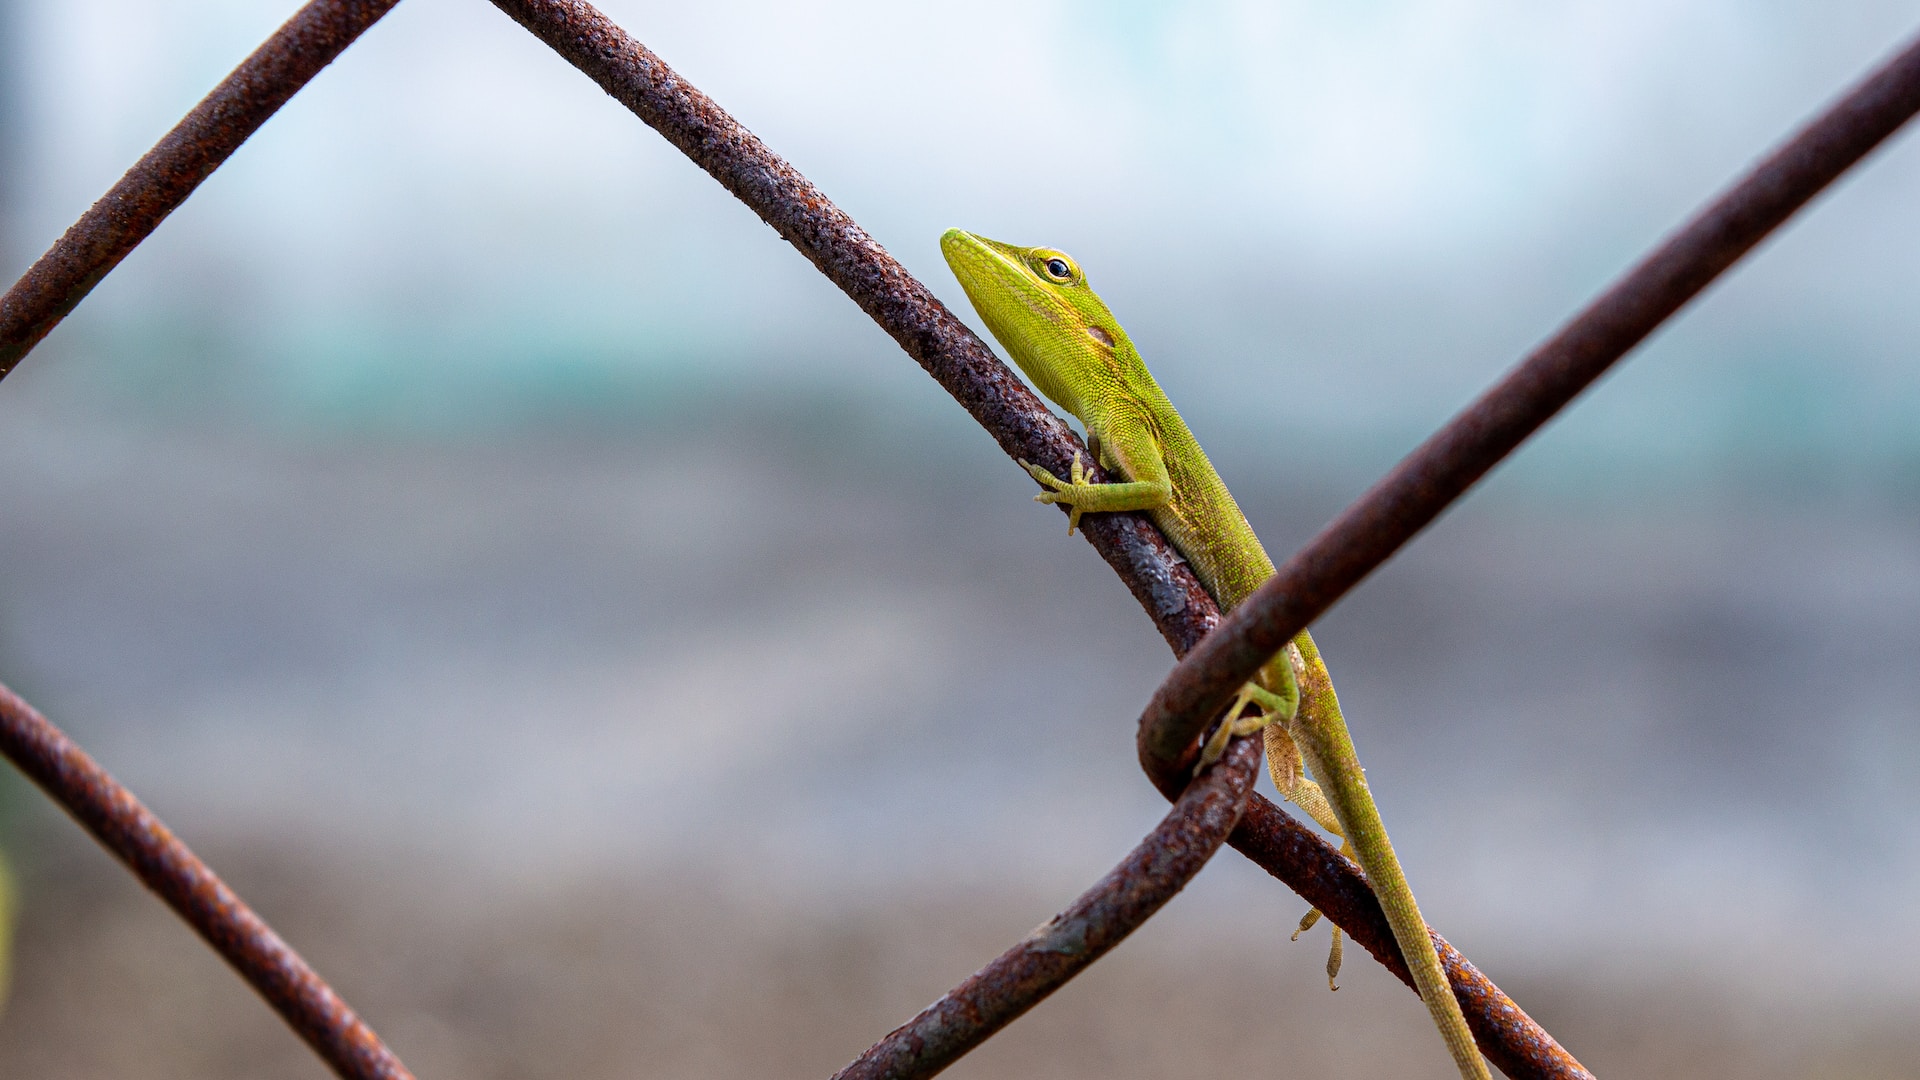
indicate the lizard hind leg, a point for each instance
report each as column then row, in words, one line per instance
column 1275, row 711
column 1230, row 726
column 1289, row 778
column 1277, row 693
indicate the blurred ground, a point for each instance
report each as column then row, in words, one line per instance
column 720, row 746
column 673, row 976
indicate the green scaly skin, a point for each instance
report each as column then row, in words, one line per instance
column 1037, row 303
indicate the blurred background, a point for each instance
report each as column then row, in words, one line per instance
column 603, row 653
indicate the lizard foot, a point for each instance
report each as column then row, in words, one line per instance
column 1061, row 491
column 1333, row 955
column 1284, row 765
column 1236, row 725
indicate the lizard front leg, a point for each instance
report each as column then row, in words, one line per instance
column 1127, row 438
column 1084, row 497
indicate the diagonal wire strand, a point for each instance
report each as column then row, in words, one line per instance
column 1283, row 847
column 161, row 180
column 1454, row 458
column 1441, row 470
column 165, row 865
column 1018, row 979
column 156, row 185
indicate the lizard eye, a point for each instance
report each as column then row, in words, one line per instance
column 1059, row 269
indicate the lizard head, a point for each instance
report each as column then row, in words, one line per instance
column 1037, row 303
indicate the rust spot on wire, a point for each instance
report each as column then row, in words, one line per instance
column 162, row 180
column 165, row 865
column 1454, row 458
column 1017, row 980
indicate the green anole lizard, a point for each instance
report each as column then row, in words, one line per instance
column 1037, row 303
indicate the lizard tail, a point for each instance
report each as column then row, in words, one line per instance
column 1321, row 734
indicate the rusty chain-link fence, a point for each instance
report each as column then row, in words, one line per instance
column 1217, row 654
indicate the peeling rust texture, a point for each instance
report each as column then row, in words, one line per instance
column 1099, row 919
column 189, row 886
column 1024, row 428
column 1410, row 497
column 159, row 182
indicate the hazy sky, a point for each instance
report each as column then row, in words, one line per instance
column 1340, row 219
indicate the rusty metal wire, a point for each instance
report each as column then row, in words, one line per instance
column 1019, row 422
column 1017, row 980
column 1441, row 470
column 1283, row 847
column 157, row 184
column 165, row 865
column 963, row 365
column 1360, row 539
column 160, row 181
column 1428, row 480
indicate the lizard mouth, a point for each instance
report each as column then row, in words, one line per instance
column 978, row 253
column 1001, row 262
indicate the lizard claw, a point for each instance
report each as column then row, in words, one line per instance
column 1306, row 923
column 1333, row 953
column 1058, row 490
column 1046, row 478
column 1079, row 473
